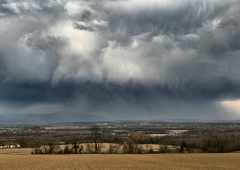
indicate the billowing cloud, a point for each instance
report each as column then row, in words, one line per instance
column 121, row 56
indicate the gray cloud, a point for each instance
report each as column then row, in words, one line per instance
column 121, row 56
column 82, row 26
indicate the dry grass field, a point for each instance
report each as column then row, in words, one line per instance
column 25, row 151
column 120, row 161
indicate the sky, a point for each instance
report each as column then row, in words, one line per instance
column 122, row 59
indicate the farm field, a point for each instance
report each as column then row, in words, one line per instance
column 25, row 151
column 121, row 161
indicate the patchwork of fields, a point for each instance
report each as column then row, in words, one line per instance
column 121, row 161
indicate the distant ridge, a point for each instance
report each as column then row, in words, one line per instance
column 75, row 117
column 57, row 117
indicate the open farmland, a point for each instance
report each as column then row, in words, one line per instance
column 121, row 161
column 25, row 151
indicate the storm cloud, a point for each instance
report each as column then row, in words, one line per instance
column 123, row 59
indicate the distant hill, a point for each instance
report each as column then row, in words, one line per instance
column 68, row 117
column 58, row 117
column 200, row 121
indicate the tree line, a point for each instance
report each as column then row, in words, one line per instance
column 133, row 143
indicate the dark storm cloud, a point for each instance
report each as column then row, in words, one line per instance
column 28, row 94
column 121, row 55
column 132, row 19
column 7, row 9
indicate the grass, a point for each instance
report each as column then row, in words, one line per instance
column 17, row 150
column 121, row 161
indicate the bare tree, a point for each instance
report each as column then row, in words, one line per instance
column 183, row 145
column 131, row 144
column 80, row 149
column 163, row 149
column 113, row 148
column 52, row 146
column 22, row 142
column 89, row 148
column 97, row 137
column 67, row 150
column 75, row 141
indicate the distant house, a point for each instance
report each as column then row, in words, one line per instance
column 62, row 143
column 177, row 147
column 12, row 146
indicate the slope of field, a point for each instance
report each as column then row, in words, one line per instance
column 120, row 161
column 25, row 151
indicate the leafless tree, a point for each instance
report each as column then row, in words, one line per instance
column 75, row 141
column 97, row 137
column 131, row 144
column 52, row 146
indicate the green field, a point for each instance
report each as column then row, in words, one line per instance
column 121, row 161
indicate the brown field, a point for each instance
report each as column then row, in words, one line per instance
column 154, row 135
column 176, row 132
column 25, row 151
column 170, row 133
column 121, row 161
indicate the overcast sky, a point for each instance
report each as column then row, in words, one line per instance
column 123, row 59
